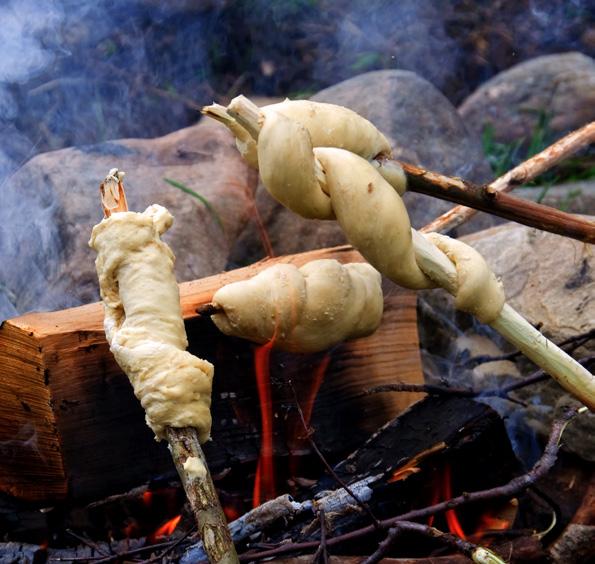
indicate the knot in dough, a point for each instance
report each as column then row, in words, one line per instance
column 143, row 321
column 289, row 132
column 478, row 291
column 305, row 309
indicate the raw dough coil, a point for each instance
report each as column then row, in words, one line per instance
column 305, row 309
column 143, row 321
column 313, row 159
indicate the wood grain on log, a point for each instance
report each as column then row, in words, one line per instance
column 70, row 425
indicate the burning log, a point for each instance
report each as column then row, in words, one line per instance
column 64, row 400
column 398, row 468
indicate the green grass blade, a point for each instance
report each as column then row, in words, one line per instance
column 200, row 198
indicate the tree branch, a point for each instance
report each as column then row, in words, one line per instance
column 484, row 198
column 521, row 174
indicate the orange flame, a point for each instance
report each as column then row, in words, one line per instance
column 451, row 517
column 167, row 528
column 319, row 373
column 495, row 519
column 264, row 481
column 262, row 232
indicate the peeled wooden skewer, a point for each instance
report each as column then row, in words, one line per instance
column 184, row 442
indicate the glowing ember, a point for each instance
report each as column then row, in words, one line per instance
column 130, row 530
column 147, row 498
column 231, row 512
column 264, row 482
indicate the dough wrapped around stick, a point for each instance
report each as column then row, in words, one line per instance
column 143, row 321
column 307, row 309
column 327, row 174
column 145, row 330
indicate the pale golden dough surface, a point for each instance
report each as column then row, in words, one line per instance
column 478, row 291
column 305, row 309
column 143, row 321
column 330, row 125
column 289, row 169
column 373, row 216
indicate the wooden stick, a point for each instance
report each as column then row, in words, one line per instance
column 201, row 493
column 183, row 442
column 485, row 198
column 519, row 175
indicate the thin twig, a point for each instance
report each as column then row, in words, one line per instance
column 87, row 541
column 575, row 341
column 322, row 551
column 208, row 309
column 171, row 547
column 521, row 174
column 131, row 552
column 385, row 545
column 433, row 389
column 465, row 547
column 328, row 467
column 516, row 485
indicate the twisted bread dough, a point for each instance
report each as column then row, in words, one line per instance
column 303, row 310
column 328, row 125
column 143, row 321
column 316, row 172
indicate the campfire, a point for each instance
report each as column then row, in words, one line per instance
column 339, row 307
column 321, row 440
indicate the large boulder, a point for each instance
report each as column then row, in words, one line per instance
column 49, row 206
column 424, row 129
column 562, row 86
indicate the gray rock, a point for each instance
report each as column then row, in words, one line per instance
column 561, row 85
column 550, row 280
column 423, row 127
column 49, row 206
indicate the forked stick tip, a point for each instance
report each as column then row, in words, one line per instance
column 113, row 197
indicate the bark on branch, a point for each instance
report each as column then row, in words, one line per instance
column 521, row 174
